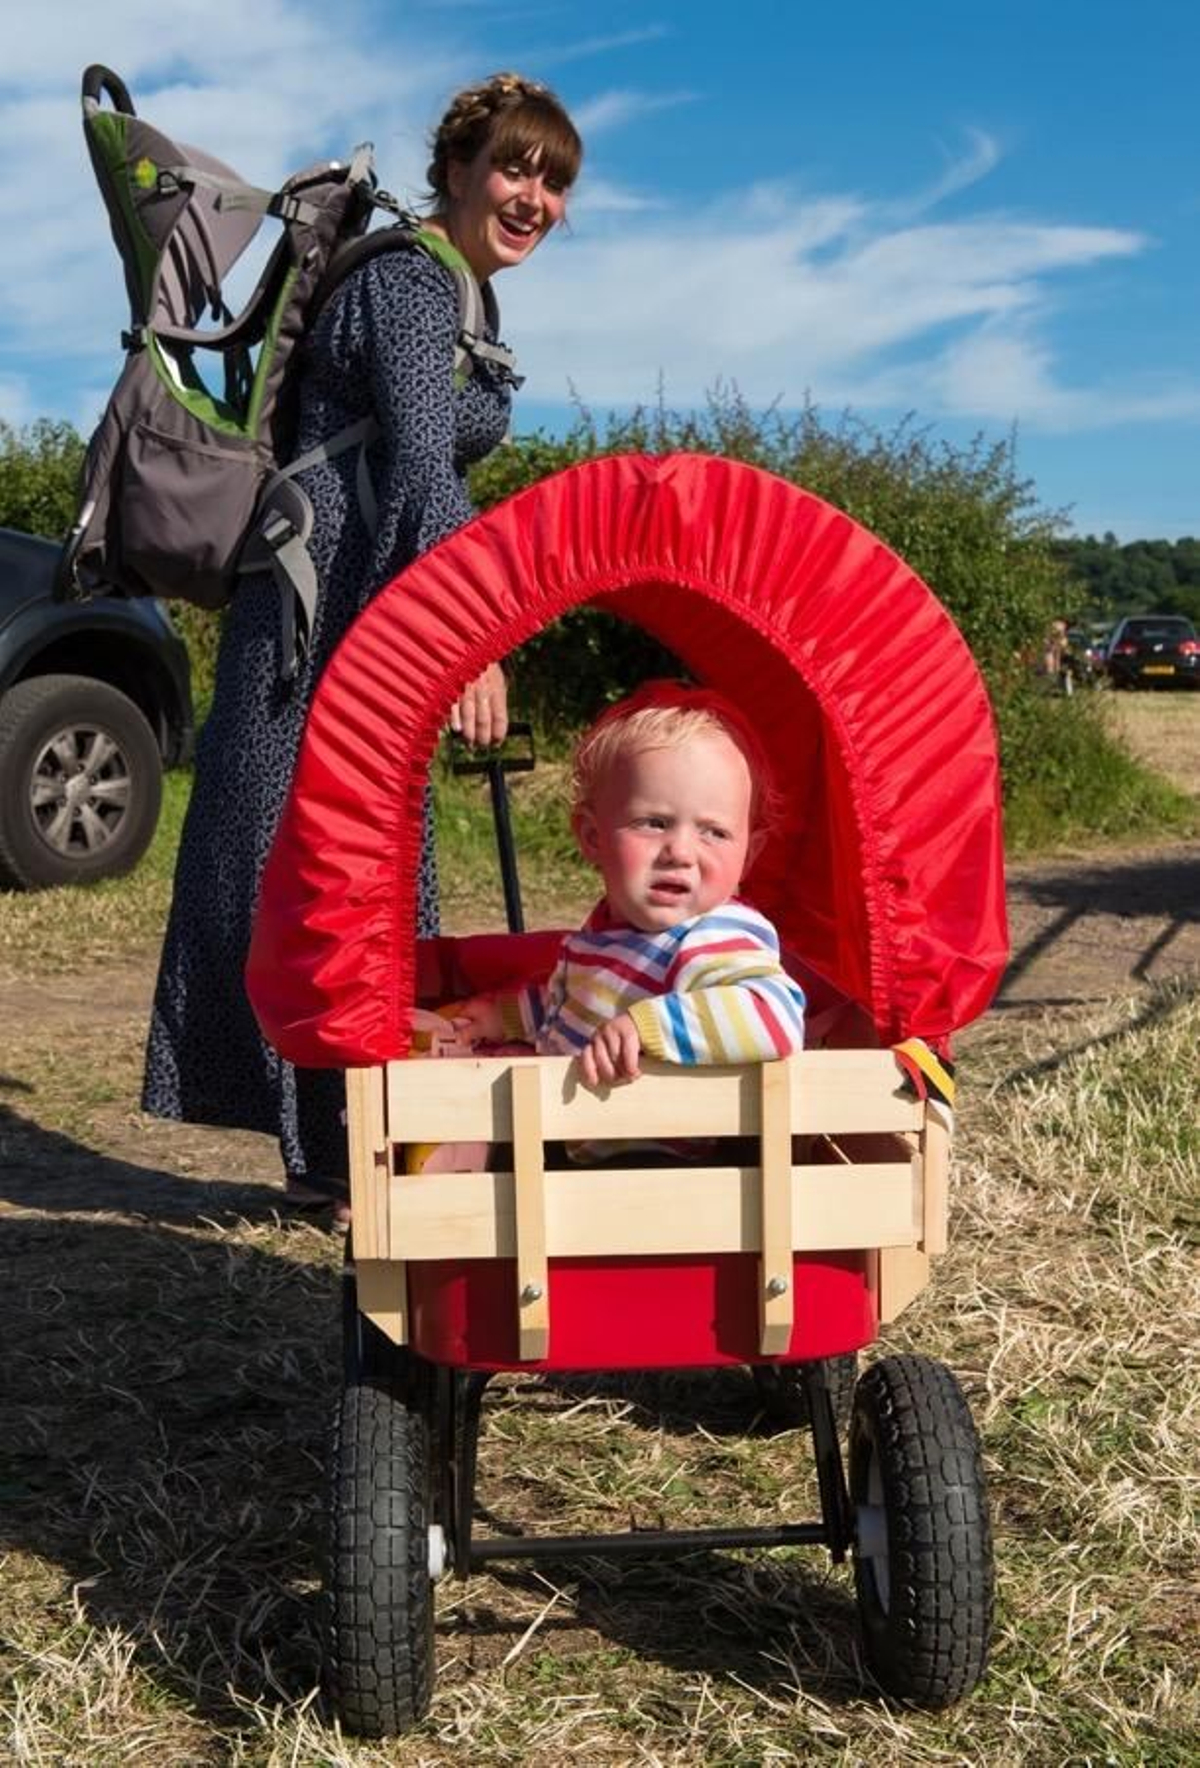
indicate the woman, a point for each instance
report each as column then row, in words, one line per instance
column 504, row 157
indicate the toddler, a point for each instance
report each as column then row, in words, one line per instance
column 672, row 800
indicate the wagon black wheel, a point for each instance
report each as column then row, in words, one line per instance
column 380, row 1593
column 782, row 1394
column 923, row 1547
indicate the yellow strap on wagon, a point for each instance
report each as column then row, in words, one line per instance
column 931, row 1078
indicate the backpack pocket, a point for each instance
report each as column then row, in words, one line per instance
column 186, row 504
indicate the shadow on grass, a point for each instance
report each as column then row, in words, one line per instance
column 165, row 1401
column 775, row 1621
column 168, row 1382
column 1158, row 899
column 778, row 1623
column 1165, row 1000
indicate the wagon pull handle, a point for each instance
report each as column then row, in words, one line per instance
column 495, row 765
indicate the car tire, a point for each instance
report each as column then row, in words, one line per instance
column 80, row 782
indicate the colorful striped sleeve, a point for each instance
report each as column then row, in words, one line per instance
column 731, row 999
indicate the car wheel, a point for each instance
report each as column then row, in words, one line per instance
column 80, row 782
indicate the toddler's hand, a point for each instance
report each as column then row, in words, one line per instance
column 613, row 1053
column 479, row 1020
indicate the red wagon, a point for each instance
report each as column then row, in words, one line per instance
column 825, row 1198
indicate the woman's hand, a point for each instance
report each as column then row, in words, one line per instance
column 612, row 1056
column 481, row 712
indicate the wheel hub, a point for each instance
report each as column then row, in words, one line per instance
column 871, row 1535
column 80, row 790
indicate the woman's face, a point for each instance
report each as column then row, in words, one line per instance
column 498, row 214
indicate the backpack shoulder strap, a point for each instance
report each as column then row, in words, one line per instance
column 477, row 308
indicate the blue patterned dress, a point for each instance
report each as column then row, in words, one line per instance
column 384, row 345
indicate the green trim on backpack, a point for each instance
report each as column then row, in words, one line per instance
column 108, row 130
column 266, row 355
column 451, row 259
column 194, row 396
column 441, row 249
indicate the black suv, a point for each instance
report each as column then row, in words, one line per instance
column 95, row 700
column 1153, row 651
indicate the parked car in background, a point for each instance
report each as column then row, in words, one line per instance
column 1153, row 650
column 95, row 700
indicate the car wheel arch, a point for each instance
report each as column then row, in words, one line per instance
column 124, row 660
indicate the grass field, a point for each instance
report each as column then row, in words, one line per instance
column 171, row 1358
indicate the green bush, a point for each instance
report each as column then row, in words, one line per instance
column 1067, row 778
column 962, row 518
column 39, row 477
column 200, row 630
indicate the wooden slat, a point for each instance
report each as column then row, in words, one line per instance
column 366, row 1128
column 936, row 1180
column 529, row 1214
column 383, row 1295
column 776, row 1311
column 834, row 1091
column 903, row 1272
column 651, row 1211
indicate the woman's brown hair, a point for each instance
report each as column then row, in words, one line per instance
column 519, row 120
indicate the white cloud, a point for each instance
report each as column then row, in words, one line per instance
column 600, row 196
column 852, row 298
column 589, row 46
column 785, row 296
column 613, row 110
column 962, row 170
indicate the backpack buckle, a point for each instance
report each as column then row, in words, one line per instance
column 134, row 338
column 277, row 530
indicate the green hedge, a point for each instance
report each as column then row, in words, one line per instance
column 962, row 518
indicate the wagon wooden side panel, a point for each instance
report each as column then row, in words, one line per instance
column 824, row 1155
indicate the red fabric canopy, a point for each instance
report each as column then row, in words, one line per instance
column 887, row 875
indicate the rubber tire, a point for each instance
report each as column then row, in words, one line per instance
column 781, row 1389
column 30, row 714
column 379, row 1659
column 926, row 1639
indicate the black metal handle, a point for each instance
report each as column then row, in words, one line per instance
column 495, row 764
column 467, row 760
column 98, row 79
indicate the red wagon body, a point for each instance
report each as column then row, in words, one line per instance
column 885, row 881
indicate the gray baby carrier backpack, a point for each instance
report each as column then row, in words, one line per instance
column 182, row 491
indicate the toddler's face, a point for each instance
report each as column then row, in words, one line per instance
column 670, row 831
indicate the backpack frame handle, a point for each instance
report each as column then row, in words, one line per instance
column 98, row 79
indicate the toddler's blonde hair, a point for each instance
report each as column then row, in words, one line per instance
column 663, row 715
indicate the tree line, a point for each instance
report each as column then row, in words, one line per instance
column 1107, row 578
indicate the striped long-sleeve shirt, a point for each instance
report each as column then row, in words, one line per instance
column 710, row 990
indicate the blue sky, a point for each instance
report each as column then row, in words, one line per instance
column 988, row 217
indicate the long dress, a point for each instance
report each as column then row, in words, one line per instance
column 385, row 345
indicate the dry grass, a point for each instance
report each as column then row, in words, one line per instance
column 172, row 1357
column 1163, row 730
